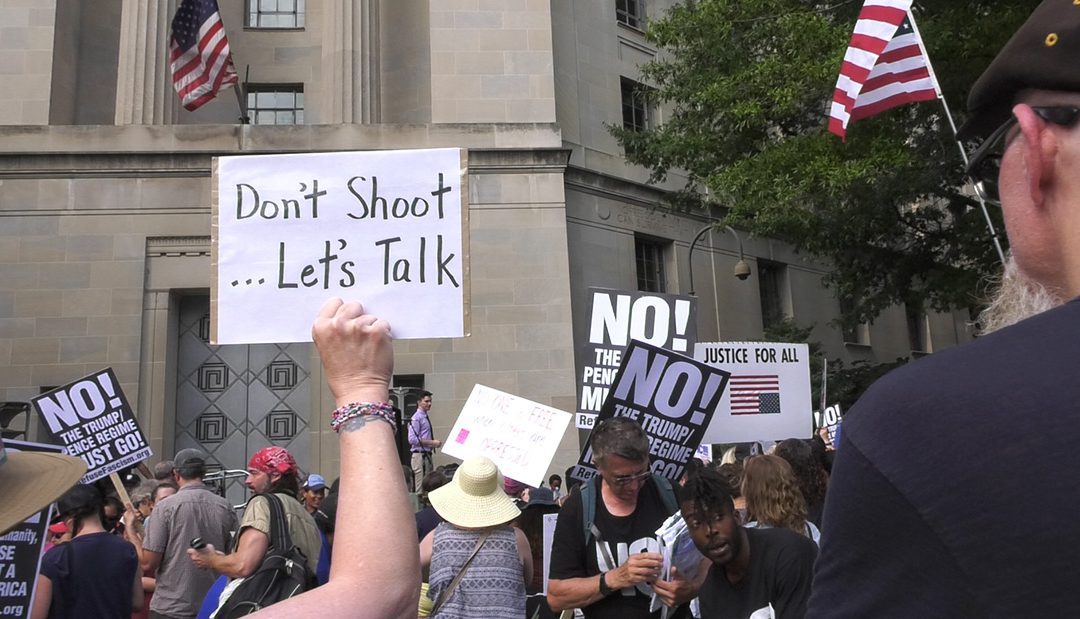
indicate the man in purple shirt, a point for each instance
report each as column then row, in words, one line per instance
column 422, row 442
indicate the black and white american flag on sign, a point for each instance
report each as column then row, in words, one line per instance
column 199, row 53
column 885, row 66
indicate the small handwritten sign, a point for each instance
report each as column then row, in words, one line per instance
column 388, row 228
column 520, row 436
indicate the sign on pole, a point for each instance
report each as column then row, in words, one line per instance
column 829, row 419
column 21, row 549
column 768, row 398
column 520, row 436
column 91, row 417
column 388, row 228
column 617, row 317
column 673, row 398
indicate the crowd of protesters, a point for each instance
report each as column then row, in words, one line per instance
column 891, row 544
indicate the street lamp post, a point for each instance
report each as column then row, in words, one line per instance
column 742, row 269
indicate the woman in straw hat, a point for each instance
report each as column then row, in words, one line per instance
column 478, row 564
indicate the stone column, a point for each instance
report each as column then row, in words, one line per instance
column 351, row 61
column 144, row 94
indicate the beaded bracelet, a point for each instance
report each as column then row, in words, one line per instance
column 379, row 410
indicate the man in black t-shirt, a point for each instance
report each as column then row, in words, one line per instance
column 755, row 573
column 610, row 574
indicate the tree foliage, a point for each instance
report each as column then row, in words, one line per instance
column 746, row 86
column 846, row 382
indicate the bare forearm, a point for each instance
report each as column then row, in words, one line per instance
column 378, row 538
column 230, row 565
column 573, row 592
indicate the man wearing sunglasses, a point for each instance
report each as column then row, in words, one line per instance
column 952, row 493
column 610, row 572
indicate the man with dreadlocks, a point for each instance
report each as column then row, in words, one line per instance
column 755, row 573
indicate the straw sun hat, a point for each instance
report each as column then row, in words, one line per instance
column 474, row 499
column 29, row 481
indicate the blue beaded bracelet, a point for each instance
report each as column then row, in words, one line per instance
column 379, row 410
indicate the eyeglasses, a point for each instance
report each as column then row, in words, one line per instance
column 985, row 164
column 626, row 480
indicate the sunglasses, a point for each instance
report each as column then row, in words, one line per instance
column 985, row 164
column 626, row 480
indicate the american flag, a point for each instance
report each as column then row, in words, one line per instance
column 885, row 66
column 755, row 395
column 199, row 53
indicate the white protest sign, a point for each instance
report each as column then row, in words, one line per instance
column 387, row 228
column 520, row 436
column 768, row 397
column 93, row 420
column 549, row 540
column 615, row 318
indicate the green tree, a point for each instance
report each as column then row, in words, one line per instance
column 746, row 85
column 845, row 382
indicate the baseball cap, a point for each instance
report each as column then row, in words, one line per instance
column 1042, row 54
column 190, row 462
column 541, row 496
column 315, row 482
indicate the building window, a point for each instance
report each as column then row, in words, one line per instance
column 858, row 334
column 636, row 109
column 631, row 13
column 771, row 285
column 650, row 256
column 275, row 14
column 276, row 104
column 918, row 328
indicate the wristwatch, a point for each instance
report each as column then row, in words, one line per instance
column 605, row 590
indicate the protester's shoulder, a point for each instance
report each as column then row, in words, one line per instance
column 784, row 545
column 918, row 399
column 983, row 355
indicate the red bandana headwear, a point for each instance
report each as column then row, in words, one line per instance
column 273, row 460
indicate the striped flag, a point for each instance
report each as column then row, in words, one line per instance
column 885, row 65
column 755, row 395
column 199, row 53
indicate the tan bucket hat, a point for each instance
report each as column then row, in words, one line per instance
column 474, row 499
column 29, row 481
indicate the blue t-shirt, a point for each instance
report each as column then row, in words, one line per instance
column 92, row 576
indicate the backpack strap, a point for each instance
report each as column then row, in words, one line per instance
column 588, row 506
column 667, row 493
column 280, row 540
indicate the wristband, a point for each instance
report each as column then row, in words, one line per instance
column 605, row 590
column 379, row 410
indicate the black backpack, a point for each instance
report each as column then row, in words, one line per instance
column 282, row 574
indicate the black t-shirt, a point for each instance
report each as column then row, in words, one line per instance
column 953, row 490
column 571, row 558
column 92, row 576
column 781, row 569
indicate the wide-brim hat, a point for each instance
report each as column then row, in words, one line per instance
column 1040, row 55
column 474, row 499
column 29, row 481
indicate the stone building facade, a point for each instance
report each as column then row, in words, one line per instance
column 105, row 204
